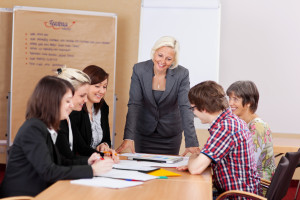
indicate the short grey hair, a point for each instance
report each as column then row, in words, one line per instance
column 167, row 41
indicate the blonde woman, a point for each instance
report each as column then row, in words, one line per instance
column 158, row 107
column 70, row 141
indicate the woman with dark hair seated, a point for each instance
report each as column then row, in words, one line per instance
column 34, row 162
column 243, row 100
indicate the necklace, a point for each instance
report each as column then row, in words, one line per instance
column 158, row 80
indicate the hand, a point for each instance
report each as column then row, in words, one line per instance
column 182, row 168
column 102, row 166
column 192, row 150
column 103, row 147
column 93, row 158
column 125, row 145
column 113, row 155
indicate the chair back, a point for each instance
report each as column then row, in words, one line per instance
column 293, row 158
column 283, row 175
column 277, row 183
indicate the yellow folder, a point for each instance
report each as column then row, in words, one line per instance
column 163, row 172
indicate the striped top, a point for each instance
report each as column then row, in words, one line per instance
column 231, row 149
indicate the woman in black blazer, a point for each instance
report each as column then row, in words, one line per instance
column 34, row 162
column 158, row 107
column 83, row 129
column 92, row 121
column 69, row 141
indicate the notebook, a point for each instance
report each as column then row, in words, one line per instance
column 155, row 158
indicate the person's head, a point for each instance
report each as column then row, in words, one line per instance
column 243, row 97
column 80, row 81
column 99, row 82
column 207, row 97
column 165, row 53
column 51, row 101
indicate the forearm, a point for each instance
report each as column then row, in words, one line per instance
column 198, row 163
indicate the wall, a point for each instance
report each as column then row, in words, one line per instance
column 260, row 42
column 127, row 41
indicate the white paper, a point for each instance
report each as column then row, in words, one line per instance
column 156, row 164
column 106, row 182
column 127, row 174
column 133, row 165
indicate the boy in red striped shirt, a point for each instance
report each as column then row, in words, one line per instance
column 229, row 149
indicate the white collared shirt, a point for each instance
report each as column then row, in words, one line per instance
column 70, row 134
column 53, row 134
column 96, row 128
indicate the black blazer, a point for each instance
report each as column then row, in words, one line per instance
column 62, row 142
column 34, row 162
column 170, row 116
column 82, row 127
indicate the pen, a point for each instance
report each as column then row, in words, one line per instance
column 108, row 152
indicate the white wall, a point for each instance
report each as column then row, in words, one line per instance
column 260, row 41
column 194, row 23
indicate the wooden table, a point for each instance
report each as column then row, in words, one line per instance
column 283, row 145
column 186, row 186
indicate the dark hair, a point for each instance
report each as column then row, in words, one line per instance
column 208, row 96
column 246, row 90
column 45, row 101
column 97, row 75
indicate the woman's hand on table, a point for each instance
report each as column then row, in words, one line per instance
column 125, row 145
column 192, row 150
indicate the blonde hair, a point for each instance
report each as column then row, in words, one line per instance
column 167, row 41
column 76, row 77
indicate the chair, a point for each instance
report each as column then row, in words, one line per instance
column 18, row 198
column 280, row 181
column 298, row 183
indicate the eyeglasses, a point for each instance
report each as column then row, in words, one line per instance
column 192, row 108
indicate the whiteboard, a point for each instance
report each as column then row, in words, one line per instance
column 194, row 23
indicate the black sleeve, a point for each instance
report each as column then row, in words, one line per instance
column 80, row 145
column 36, row 150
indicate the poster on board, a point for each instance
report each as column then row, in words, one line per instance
column 45, row 39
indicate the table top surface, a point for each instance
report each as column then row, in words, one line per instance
column 283, row 145
column 186, row 186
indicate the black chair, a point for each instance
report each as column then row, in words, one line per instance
column 298, row 183
column 280, row 181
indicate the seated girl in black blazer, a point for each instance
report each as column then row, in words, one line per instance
column 69, row 141
column 34, row 162
column 92, row 121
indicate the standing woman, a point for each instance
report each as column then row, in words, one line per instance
column 92, row 122
column 243, row 100
column 158, row 107
column 34, row 162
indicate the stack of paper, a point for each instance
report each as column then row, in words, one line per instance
column 106, row 182
column 129, row 165
column 127, row 174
